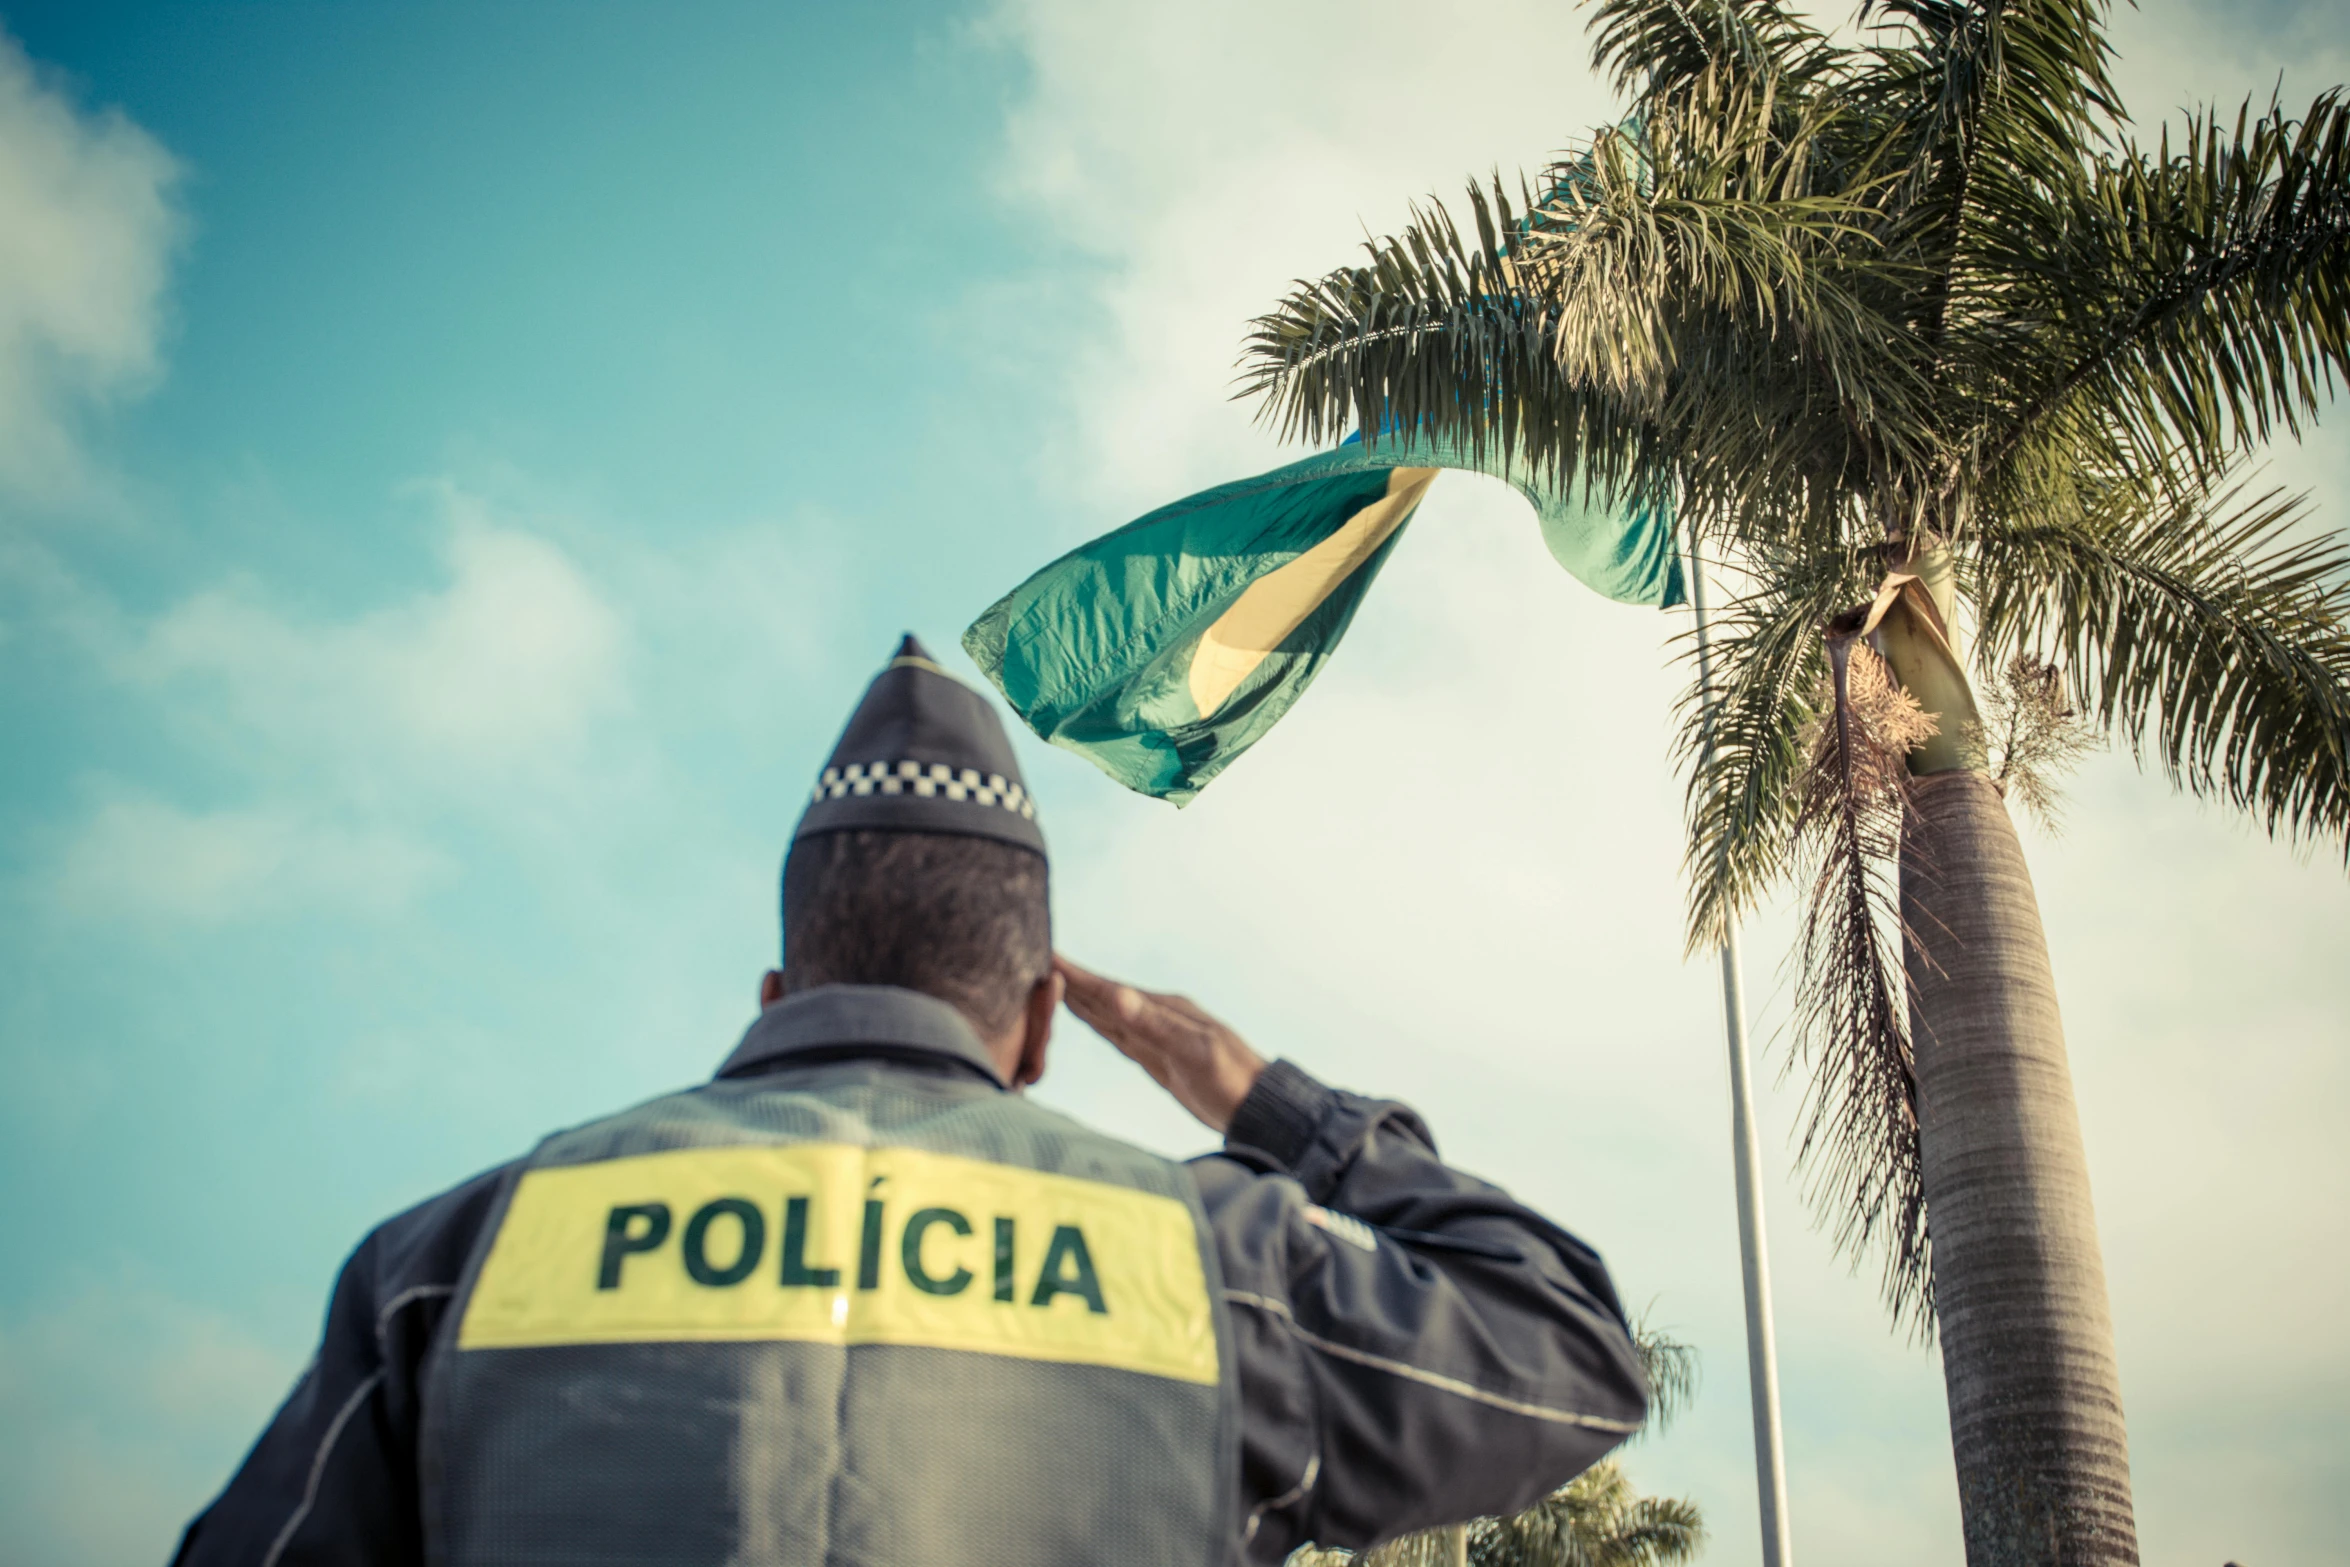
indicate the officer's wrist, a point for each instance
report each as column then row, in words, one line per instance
column 1282, row 1114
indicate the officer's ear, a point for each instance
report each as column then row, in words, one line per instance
column 1036, row 1027
column 770, row 988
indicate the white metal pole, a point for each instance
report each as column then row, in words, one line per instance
column 1762, row 1354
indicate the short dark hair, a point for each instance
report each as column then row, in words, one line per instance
column 965, row 919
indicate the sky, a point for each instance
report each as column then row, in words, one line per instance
column 459, row 463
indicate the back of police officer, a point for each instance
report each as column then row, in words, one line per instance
column 857, row 1300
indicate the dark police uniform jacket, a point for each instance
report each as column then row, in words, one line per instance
column 851, row 1302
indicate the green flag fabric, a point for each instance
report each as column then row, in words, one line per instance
column 1164, row 650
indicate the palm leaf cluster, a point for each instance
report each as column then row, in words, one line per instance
column 2032, row 734
column 1855, row 306
column 1596, row 1520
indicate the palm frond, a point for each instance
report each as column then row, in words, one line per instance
column 2182, row 306
column 1670, row 1367
column 1596, row 1520
column 1858, row 1146
column 1653, row 1532
column 1433, row 335
column 2212, row 633
column 1666, row 279
column 1653, row 49
column 1964, row 84
column 1975, row 102
column 1743, row 727
column 1707, row 211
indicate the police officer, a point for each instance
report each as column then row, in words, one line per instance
column 856, row 1300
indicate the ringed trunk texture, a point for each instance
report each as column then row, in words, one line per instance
column 2027, row 1339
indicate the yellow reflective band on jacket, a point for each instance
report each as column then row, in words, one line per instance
column 838, row 1244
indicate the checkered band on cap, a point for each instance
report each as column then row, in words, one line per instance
column 927, row 781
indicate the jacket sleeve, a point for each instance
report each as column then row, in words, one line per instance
column 333, row 1477
column 1414, row 1348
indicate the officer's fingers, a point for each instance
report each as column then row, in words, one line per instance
column 1098, row 990
column 1201, row 1062
column 1118, row 1013
column 1095, row 1015
column 1190, row 1009
column 1190, row 1027
column 1171, row 1025
column 1082, row 981
column 1089, row 994
column 1093, row 996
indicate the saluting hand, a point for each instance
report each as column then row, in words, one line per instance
column 1207, row 1067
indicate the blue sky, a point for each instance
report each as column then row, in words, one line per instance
column 457, row 465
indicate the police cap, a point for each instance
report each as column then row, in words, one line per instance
column 923, row 752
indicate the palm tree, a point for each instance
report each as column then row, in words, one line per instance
column 1961, row 380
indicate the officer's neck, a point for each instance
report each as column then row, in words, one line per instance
column 1017, row 1052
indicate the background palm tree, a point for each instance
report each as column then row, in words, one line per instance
column 1960, row 379
column 1596, row 1520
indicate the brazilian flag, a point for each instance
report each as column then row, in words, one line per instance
column 1164, row 650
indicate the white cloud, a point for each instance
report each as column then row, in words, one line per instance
column 544, row 687
column 115, row 1402
column 488, row 695
column 504, row 669
column 142, row 858
column 88, row 226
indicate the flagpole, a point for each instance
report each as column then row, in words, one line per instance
column 1762, row 1355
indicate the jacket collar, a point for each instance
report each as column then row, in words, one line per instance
column 848, row 1021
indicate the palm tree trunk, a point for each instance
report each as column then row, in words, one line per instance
column 2027, row 1341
